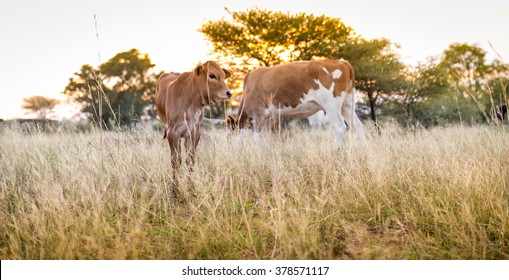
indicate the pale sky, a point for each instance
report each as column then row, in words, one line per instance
column 43, row 43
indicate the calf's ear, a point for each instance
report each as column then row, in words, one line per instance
column 198, row 70
column 227, row 73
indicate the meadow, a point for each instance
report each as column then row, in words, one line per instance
column 440, row 193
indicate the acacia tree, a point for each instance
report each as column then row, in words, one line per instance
column 272, row 38
column 264, row 38
column 425, row 82
column 467, row 70
column 40, row 105
column 423, row 96
column 379, row 73
column 125, row 85
column 465, row 66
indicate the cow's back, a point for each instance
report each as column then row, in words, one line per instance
column 284, row 85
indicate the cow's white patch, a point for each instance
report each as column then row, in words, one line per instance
column 314, row 101
column 325, row 70
column 336, row 74
column 337, row 110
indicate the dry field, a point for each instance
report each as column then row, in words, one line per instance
column 423, row 194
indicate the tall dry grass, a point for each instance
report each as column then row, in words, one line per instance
column 422, row 194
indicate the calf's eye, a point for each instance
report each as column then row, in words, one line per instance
column 212, row 76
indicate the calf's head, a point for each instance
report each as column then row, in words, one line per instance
column 213, row 77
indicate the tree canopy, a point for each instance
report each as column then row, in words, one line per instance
column 475, row 81
column 272, row 37
column 40, row 105
column 126, row 84
column 465, row 65
column 378, row 71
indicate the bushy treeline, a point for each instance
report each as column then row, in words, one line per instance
column 456, row 86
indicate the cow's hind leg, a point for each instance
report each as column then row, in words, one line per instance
column 352, row 120
column 333, row 114
column 338, row 125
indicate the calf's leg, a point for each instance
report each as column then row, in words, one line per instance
column 191, row 143
column 176, row 157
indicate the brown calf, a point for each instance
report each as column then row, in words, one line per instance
column 180, row 100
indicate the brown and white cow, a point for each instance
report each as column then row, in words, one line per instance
column 298, row 90
column 180, row 100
